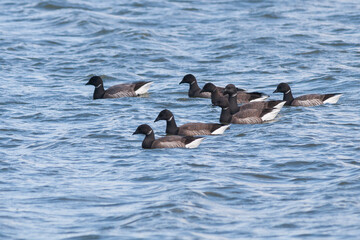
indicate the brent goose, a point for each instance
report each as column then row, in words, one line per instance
column 241, row 97
column 306, row 100
column 215, row 93
column 230, row 90
column 117, row 91
column 195, row 91
column 246, row 116
column 189, row 129
column 168, row 141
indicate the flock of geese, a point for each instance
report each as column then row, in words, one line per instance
column 253, row 109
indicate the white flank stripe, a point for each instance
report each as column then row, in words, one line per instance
column 280, row 105
column 262, row 98
column 195, row 143
column 144, row 89
column 333, row 99
column 220, row 130
column 271, row 115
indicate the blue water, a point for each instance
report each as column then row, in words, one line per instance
column 71, row 169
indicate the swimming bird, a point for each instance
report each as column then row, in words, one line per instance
column 215, row 93
column 117, row 91
column 231, row 91
column 195, row 91
column 168, row 141
column 189, row 129
column 241, row 97
column 246, row 116
column 306, row 100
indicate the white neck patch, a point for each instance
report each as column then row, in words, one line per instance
column 226, row 108
column 149, row 132
column 171, row 118
column 288, row 91
column 192, row 83
column 234, row 95
column 98, row 85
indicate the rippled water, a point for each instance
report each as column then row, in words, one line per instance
column 70, row 168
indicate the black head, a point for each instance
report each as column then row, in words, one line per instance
column 283, row 88
column 209, row 87
column 95, row 81
column 143, row 129
column 230, row 89
column 164, row 115
column 222, row 102
column 188, row 78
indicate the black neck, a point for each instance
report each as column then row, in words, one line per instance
column 215, row 95
column 99, row 91
column 194, row 87
column 234, row 108
column 288, row 97
column 148, row 140
column 225, row 116
column 171, row 127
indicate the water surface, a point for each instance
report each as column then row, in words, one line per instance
column 71, row 169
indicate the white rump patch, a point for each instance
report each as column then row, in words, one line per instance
column 143, row 89
column 280, row 105
column 195, row 143
column 271, row 115
column 220, row 130
column 262, row 98
column 333, row 99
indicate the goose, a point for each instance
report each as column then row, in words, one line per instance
column 117, row 91
column 215, row 93
column 242, row 97
column 195, row 91
column 189, row 129
column 230, row 90
column 306, row 100
column 246, row 116
column 175, row 141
